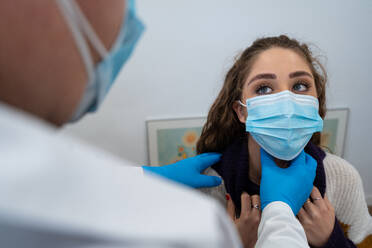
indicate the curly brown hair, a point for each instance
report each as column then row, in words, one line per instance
column 223, row 125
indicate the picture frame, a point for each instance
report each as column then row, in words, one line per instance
column 334, row 131
column 170, row 140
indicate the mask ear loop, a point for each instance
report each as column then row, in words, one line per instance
column 72, row 21
column 88, row 30
column 79, row 25
column 242, row 104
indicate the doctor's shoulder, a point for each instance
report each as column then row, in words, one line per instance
column 62, row 187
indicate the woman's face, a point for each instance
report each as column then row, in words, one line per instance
column 276, row 70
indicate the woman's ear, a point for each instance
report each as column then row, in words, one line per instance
column 240, row 111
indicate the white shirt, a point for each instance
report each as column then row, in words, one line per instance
column 58, row 192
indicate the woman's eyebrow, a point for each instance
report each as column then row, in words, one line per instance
column 262, row 76
column 299, row 74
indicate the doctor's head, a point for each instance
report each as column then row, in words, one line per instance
column 269, row 66
column 56, row 56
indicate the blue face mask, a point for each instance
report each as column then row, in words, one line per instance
column 102, row 75
column 283, row 123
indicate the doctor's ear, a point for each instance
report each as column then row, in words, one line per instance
column 240, row 111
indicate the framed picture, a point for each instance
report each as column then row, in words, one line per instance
column 172, row 140
column 334, row 131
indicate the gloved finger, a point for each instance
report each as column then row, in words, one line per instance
column 318, row 199
column 205, row 161
column 246, row 204
column 266, row 159
column 204, row 181
column 299, row 160
column 230, row 207
column 311, row 162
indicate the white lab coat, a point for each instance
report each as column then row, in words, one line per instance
column 279, row 228
column 57, row 192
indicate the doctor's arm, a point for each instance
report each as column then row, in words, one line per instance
column 283, row 192
column 280, row 228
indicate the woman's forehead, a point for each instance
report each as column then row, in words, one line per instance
column 279, row 60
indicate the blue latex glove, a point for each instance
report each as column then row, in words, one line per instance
column 291, row 185
column 188, row 171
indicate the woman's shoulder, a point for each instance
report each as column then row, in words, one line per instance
column 337, row 166
column 219, row 192
column 340, row 174
column 345, row 192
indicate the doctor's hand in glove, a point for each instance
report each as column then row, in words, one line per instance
column 188, row 171
column 290, row 185
column 249, row 219
column 317, row 218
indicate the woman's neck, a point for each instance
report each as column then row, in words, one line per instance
column 255, row 161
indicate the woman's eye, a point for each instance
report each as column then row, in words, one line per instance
column 300, row 87
column 262, row 90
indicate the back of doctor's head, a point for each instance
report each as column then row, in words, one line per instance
column 41, row 70
column 223, row 126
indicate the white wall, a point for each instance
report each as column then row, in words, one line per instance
column 179, row 65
